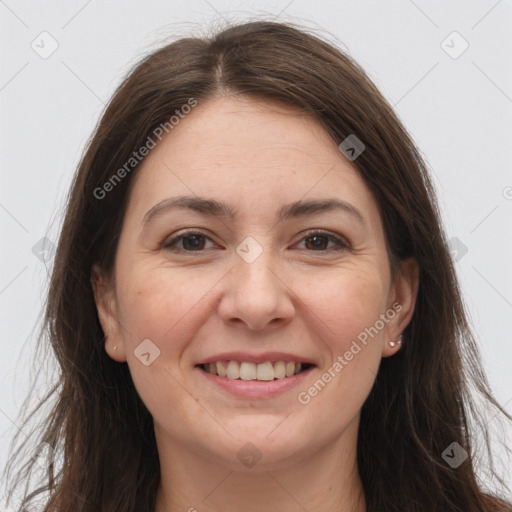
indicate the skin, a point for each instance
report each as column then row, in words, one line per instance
column 255, row 156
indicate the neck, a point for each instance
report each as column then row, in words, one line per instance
column 325, row 480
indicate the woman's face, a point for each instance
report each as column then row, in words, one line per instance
column 253, row 276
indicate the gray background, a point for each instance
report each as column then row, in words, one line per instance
column 458, row 109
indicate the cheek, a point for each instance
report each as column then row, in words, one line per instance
column 160, row 305
column 168, row 308
column 347, row 302
column 347, row 308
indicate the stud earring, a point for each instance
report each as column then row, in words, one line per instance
column 399, row 341
column 115, row 348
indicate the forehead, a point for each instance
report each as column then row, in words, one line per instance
column 251, row 153
column 240, row 126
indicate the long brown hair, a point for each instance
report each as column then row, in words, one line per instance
column 423, row 398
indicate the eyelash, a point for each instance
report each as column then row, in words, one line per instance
column 170, row 244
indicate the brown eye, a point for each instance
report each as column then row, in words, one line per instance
column 193, row 242
column 190, row 242
column 319, row 241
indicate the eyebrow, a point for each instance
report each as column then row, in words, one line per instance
column 218, row 209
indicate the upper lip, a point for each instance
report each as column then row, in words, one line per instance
column 255, row 358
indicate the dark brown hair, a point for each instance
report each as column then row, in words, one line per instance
column 422, row 400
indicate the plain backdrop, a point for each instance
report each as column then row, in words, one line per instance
column 445, row 66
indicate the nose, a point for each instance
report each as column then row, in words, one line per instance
column 256, row 295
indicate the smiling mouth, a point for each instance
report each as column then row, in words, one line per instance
column 267, row 371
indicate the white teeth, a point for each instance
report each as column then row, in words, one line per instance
column 279, row 369
column 266, row 371
column 221, row 371
column 233, row 371
column 248, row 371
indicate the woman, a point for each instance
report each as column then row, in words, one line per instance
column 253, row 305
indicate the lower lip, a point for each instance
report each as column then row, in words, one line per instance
column 256, row 388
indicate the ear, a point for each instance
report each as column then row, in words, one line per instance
column 105, row 299
column 402, row 301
